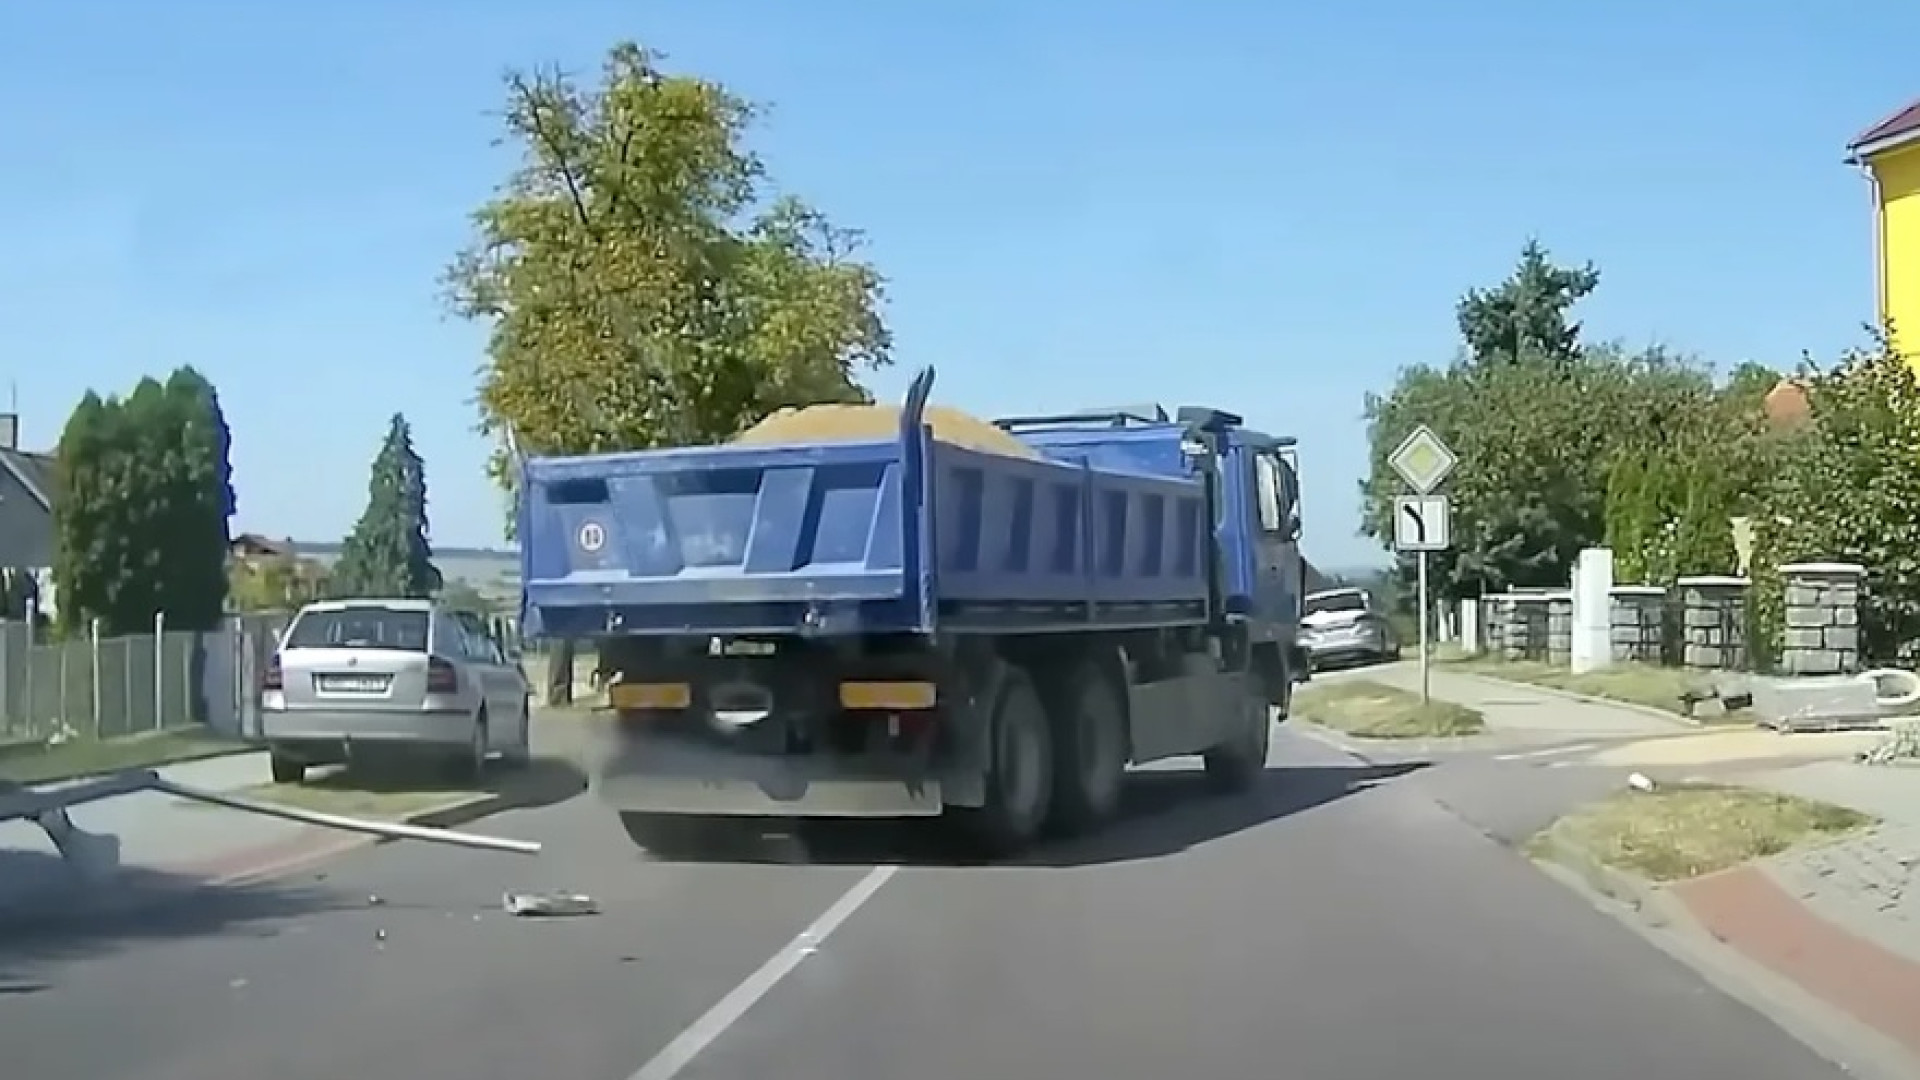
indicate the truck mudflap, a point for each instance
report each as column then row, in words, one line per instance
column 669, row 776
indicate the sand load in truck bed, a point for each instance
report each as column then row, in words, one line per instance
column 848, row 423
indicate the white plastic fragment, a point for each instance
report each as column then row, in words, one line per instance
column 1640, row 782
column 549, row 905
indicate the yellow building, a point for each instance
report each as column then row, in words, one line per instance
column 1889, row 153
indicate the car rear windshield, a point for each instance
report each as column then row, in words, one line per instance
column 1349, row 601
column 368, row 627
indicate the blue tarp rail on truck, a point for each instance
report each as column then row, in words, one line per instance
column 902, row 535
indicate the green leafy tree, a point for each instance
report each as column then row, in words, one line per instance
column 640, row 286
column 1540, row 421
column 110, row 554
column 83, row 515
column 1518, row 407
column 1525, row 318
column 1845, row 487
column 145, row 496
column 388, row 554
column 1634, row 517
column 194, row 446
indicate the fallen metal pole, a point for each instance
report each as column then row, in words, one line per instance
column 39, row 803
column 391, row 829
column 27, row 802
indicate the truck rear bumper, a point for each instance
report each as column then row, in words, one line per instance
column 660, row 776
column 745, row 798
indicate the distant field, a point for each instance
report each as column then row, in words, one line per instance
column 494, row 573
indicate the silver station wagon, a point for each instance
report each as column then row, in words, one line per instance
column 353, row 678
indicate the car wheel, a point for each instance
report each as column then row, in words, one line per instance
column 473, row 763
column 520, row 755
column 286, row 770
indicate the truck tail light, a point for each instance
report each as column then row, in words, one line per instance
column 442, row 677
column 888, row 696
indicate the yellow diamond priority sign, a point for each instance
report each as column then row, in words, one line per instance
column 1422, row 460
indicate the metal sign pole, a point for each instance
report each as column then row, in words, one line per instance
column 1424, row 688
column 1423, row 461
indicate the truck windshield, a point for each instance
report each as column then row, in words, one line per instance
column 360, row 627
column 1346, row 601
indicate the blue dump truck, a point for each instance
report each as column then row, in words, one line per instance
column 906, row 627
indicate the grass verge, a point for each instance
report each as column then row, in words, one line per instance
column 45, row 762
column 1371, row 710
column 351, row 800
column 1647, row 685
column 1676, row 833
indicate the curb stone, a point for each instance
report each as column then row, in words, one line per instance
column 1370, row 751
column 1326, row 736
column 1664, row 921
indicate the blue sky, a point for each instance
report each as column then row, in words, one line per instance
column 1265, row 207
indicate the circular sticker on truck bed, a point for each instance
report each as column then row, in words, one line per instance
column 592, row 537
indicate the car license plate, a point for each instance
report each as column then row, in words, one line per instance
column 353, row 684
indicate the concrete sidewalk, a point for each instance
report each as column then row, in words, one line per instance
column 1518, row 708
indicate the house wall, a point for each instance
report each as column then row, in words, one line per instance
column 1898, row 177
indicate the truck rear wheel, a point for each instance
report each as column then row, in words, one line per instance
column 1090, row 749
column 1019, row 781
column 1237, row 764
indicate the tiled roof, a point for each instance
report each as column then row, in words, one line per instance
column 1786, row 404
column 1906, row 122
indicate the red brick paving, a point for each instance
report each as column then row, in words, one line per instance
column 1746, row 910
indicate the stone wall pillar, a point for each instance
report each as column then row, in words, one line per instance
column 1499, row 612
column 1713, row 622
column 1636, row 623
column 1560, row 628
column 1525, row 634
column 1822, row 635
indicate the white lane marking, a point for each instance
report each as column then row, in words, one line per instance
column 726, row 1012
column 1551, row 751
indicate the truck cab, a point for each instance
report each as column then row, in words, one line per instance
column 1255, row 481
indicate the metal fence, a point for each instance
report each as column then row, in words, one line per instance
column 110, row 687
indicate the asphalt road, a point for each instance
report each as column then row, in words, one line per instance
column 1345, row 923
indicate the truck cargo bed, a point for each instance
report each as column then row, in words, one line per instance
column 908, row 534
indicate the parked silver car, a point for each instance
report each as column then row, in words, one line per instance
column 1343, row 625
column 359, row 675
